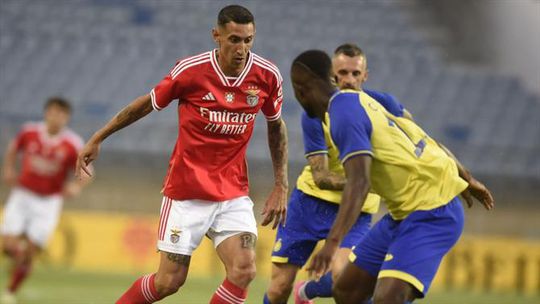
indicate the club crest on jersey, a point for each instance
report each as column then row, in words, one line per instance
column 229, row 97
column 175, row 235
column 252, row 97
column 277, row 245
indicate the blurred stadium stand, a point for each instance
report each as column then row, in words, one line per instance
column 101, row 54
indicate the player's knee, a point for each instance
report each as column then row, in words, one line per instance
column 242, row 273
column 339, row 293
column 389, row 297
column 342, row 292
column 279, row 291
column 10, row 249
column 168, row 284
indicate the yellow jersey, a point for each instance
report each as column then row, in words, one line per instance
column 409, row 170
column 317, row 140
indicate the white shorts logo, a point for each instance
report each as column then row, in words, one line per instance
column 175, row 235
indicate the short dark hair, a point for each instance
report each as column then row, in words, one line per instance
column 349, row 49
column 317, row 61
column 60, row 102
column 235, row 13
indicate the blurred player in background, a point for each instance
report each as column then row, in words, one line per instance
column 49, row 153
column 350, row 70
column 220, row 93
column 314, row 202
column 397, row 259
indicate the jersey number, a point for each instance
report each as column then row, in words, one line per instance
column 419, row 146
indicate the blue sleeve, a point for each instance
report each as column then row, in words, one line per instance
column 388, row 101
column 313, row 135
column 350, row 126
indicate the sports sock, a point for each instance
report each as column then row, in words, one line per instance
column 18, row 275
column 142, row 291
column 322, row 288
column 228, row 293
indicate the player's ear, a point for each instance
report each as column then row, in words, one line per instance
column 366, row 75
column 215, row 35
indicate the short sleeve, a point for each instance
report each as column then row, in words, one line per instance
column 313, row 135
column 21, row 138
column 350, row 126
column 169, row 88
column 388, row 101
column 272, row 107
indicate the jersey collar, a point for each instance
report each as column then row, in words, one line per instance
column 48, row 138
column 224, row 80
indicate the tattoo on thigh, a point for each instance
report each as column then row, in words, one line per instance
column 179, row 259
column 248, row 240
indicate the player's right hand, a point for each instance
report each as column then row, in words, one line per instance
column 88, row 154
column 321, row 261
column 275, row 208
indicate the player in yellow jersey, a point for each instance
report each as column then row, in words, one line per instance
column 397, row 259
column 313, row 203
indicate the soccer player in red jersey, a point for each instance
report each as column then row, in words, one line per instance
column 219, row 93
column 49, row 153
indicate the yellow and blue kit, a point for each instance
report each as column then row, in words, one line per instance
column 418, row 181
column 311, row 210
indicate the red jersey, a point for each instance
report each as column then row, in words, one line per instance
column 216, row 118
column 46, row 159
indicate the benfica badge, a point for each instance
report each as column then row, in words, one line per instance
column 229, row 97
column 175, row 235
column 252, row 98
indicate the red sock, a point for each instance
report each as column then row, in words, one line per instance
column 142, row 291
column 228, row 293
column 18, row 275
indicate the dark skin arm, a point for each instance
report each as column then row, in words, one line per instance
column 275, row 208
column 354, row 194
column 323, row 177
column 475, row 189
column 136, row 110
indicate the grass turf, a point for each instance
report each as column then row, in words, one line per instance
column 49, row 285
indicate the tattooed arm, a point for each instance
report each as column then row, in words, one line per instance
column 276, row 205
column 324, row 178
column 136, row 110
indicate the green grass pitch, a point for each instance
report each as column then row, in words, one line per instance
column 52, row 285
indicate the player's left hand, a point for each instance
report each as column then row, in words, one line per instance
column 321, row 261
column 275, row 208
column 479, row 191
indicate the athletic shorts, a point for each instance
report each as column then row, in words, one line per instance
column 183, row 224
column 35, row 216
column 309, row 220
column 410, row 249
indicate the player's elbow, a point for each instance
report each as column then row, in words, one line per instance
column 320, row 180
column 360, row 185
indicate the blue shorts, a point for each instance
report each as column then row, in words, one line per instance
column 309, row 220
column 410, row 249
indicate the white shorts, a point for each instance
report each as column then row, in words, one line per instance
column 183, row 224
column 30, row 214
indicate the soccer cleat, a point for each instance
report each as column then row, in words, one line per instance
column 8, row 298
column 297, row 298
